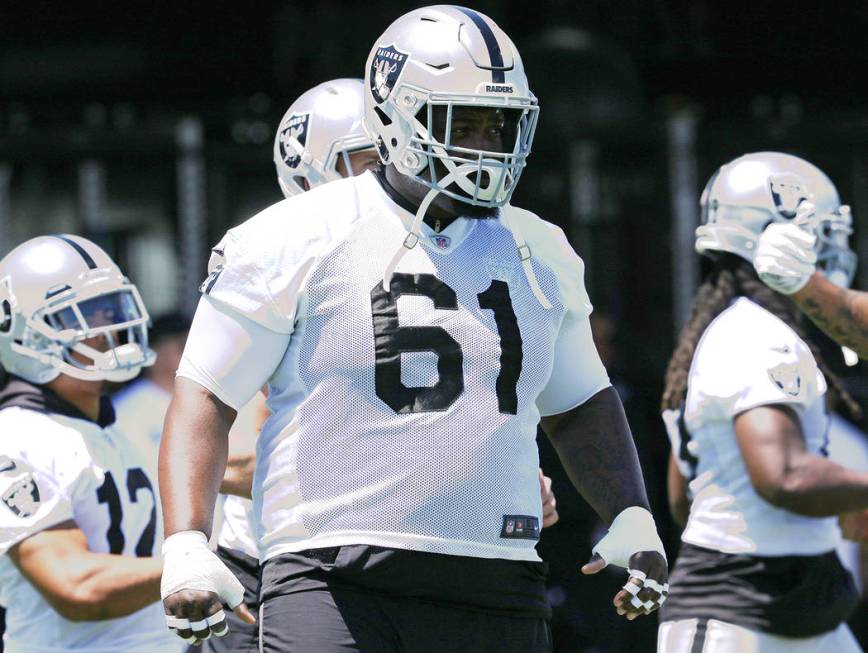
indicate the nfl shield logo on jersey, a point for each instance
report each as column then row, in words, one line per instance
column 293, row 137
column 23, row 497
column 441, row 241
column 385, row 70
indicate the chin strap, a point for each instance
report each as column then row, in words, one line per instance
column 459, row 174
column 524, row 254
column 413, row 234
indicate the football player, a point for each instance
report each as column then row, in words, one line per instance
column 412, row 327
column 332, row 145
column 787, row 260
column 79, row 535
column 746, row 408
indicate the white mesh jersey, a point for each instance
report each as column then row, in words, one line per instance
column 236, row 531
column 53, row 469
column 407, row 418
column 747, row 358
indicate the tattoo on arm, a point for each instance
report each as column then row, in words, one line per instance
column 842, row 314
column 596, row 449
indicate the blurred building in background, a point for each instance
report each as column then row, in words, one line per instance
column 149, row 130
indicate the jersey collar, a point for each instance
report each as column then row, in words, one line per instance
column 393, row 203
column 23, row 394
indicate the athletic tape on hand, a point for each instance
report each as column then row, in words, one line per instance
column 631, row 588
column 188, row 564
column 657, row 587
column 632, row 531
column 217, row 617
column 178, row 623
column 636, row 602
column 638, row 574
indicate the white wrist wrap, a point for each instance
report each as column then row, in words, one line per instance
column 632, row 531
column 188, row 564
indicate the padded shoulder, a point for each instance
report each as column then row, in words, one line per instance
column 259, row 267
column 549, row 247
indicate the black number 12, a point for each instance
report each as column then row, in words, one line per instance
column 108, row 493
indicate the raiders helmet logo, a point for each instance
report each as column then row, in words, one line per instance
column 293, row 138
column 22, row 498
column 385, row 70
column 788, row 191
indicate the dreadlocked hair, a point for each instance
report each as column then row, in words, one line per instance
column 731, row 277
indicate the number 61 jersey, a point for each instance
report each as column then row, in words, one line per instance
column 406, row 416
column 58, row 466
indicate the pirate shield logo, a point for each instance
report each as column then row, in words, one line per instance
column 22, row 497
column 788, row 191
column 385, row 70
column 293, row 137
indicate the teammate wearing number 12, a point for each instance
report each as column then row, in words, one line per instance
column 413, row 328
column 78, row 518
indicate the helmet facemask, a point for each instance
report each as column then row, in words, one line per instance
column 484, row 178
column 835, row 260
column 102, row 336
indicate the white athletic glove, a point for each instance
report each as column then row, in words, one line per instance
column 785, row 257
column 188, row 564
column 632, row 531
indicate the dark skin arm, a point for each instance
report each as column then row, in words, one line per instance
column 789, row 477
column 193, row 455
column 676, row 488
column 82, row 585
column 595, row 446
column 842, row 314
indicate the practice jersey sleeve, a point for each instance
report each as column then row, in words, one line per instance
column 44, row 470
column 577, row 373
column 748, row 358
column 229, row 354
column 258, row 268
column 32, row 502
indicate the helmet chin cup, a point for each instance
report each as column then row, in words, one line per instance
column 488, row 186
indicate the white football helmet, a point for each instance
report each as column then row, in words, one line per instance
column 745, row 195
column 448, row 56
column 323, row 124
column 56, row 292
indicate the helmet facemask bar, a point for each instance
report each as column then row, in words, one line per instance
column 60, row 331
column 835, row 260
column 501, row 169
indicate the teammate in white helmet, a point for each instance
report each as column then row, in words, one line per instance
column 79, row 535
column 747, row 408
column 412, row 327
column 786, row 260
